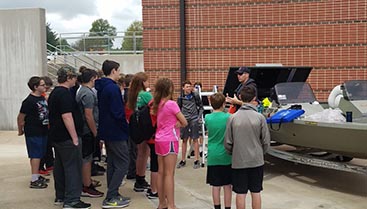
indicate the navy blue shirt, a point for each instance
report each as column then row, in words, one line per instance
column 112, row 120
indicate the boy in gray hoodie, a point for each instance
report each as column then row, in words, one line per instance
column 247, row 139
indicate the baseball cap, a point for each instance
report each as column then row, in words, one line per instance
column 66, row 71
column 243, row 70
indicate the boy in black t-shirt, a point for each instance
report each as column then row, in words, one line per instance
column 66, row 126
column 33, row 121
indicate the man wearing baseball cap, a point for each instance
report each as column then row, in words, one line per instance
column 243, row 76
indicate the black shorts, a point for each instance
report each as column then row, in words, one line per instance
column 247, row 179
column 219, row 175
column 88, row 144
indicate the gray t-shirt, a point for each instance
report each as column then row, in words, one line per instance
column 87, row 98
column 191, row 106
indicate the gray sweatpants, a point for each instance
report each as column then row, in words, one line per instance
column 68, row 171
column 117, row 165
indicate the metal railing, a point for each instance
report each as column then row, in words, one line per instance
column 73, row 58
column 99, row 43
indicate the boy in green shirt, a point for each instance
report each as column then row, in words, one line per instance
column 219, row 162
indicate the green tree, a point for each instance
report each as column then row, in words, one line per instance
column 51, row 37
column 100, row 28
column 133, row 35
column 98, row 38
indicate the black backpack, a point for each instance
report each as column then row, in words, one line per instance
column 141, row 127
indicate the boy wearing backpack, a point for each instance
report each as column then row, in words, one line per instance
column 192, row 108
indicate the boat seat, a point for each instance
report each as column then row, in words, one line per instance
column 350, row 106
column 350, row 97
column 334, row 97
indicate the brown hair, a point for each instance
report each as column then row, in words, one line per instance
column 48, row 81
column 247, row 94
column 120, row 81
column 34, row 82
column 163, row 89
column 137, row 85
column 108, row 66
column 217, row 100
column 186, row 82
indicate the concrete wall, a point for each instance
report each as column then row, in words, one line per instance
column 129, row 63
column 22, row 55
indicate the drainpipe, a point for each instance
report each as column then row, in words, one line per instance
column 182, row 41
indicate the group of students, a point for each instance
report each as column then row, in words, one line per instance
column 73, row 119
column 99, row 110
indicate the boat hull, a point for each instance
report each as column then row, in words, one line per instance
column 348, row 139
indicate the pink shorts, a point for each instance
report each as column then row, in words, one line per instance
column 164, row 148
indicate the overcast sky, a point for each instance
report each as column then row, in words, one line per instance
column 67, row 16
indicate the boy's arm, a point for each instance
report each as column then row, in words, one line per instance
column 87, row 102
column 20, row 121
column 181, row 120
column 265, row 135
column 228, row 137
column 70, row 126
column 88, row 112
column 117, row 106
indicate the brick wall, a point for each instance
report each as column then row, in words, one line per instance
column 330, row 36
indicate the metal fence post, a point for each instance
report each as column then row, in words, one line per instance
column 84, row 42
column 134, row 42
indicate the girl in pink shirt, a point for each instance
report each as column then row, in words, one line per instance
column 169, row 121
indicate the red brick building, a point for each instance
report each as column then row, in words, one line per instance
column 329, row 35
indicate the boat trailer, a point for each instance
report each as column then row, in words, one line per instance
column 306, row 159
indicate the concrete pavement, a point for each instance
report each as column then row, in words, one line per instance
column 286, row 185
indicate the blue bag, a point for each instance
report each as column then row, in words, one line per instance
column 284, row 116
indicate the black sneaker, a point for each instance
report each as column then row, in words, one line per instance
column 43, row 179
column 196, row 164
column 130, row 176
column 97, row 170
column 58, row 201
column 141, row 186
column 38, row 184
column 151, row 195
column 192, row 154
column 181, row 164
column 79, row 204
column 100, row 168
